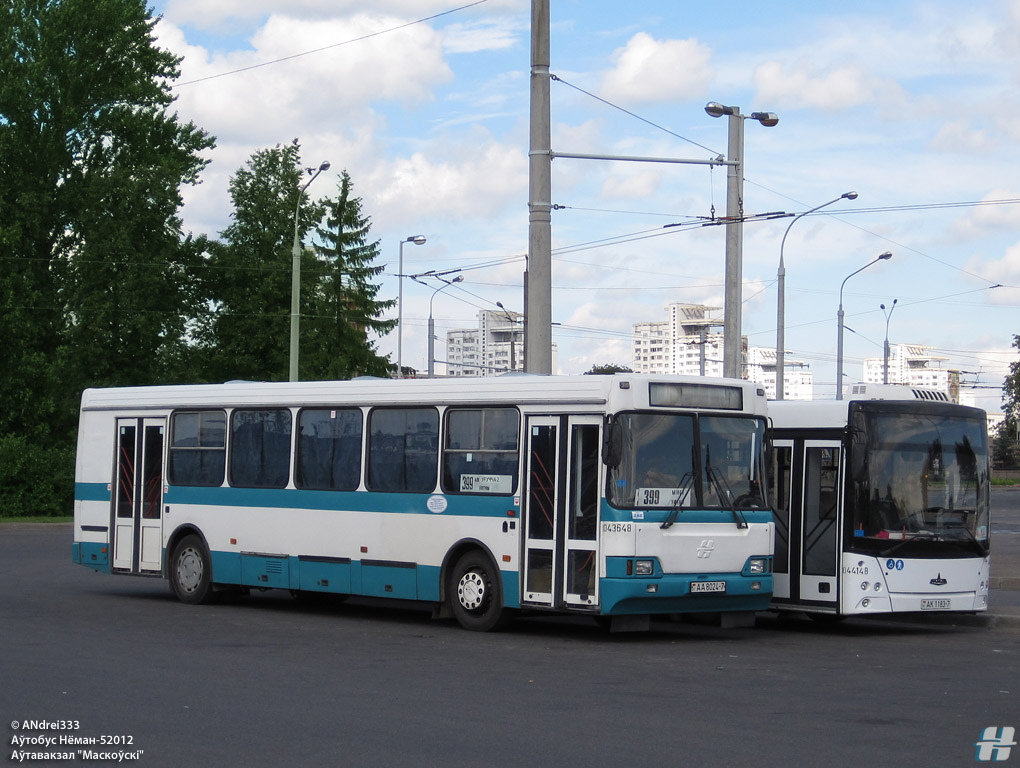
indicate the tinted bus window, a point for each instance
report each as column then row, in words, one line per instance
column 198, row 444
column 480, row 453
column 260, row 448
column 329, row 449
column 403, row 449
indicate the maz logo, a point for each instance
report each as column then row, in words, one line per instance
column 938, row 581
column 705, row 549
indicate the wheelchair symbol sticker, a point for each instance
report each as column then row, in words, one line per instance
column 894, row 565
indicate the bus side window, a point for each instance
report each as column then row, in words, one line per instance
column 403, row 449
column 260, row 448
column 480, row 453
column 198, row 446
column 329, row 449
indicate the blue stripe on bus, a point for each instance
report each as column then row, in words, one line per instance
column 91, row 492
column 373, row 501
column 673, row 594
column 403, row 581
column 94, row 555
column 348, row 501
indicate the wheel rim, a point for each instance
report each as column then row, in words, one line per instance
column 189, row 570
column 472, row 591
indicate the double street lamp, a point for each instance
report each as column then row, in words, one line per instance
column 295, row 276
column 734, row 228
column 839, row 319
column 417, row 240
column 781, row 308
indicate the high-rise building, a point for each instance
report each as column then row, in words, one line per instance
column 691, row 343
column 761, row 368
column 915, row 366
column 496, row 346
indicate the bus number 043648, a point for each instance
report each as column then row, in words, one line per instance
column 617, row 527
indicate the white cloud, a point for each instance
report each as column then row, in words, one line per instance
column 480, row 179
column 1006, row 271
column 649, row 70
column 640, row 184
column 802, row 86
column 483, row 35
column 959, row 136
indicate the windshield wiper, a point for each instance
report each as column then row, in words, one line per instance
column 917, row 536
column 722, row 490
column 971, row 540
column 685, row 486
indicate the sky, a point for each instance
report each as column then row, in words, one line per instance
column 425, row 103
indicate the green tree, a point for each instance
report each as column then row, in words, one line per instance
column 1005, row 448
column 249, row 270
column 94, row 286
column 344, row 308
column 607, row 369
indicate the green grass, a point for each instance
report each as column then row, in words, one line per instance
column 62, row 519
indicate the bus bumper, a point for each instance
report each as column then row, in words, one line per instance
column 672, row 593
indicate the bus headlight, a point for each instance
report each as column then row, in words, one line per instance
column 757, row 565
column 644, row 567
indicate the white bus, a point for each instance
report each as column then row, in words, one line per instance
column 614, row 496
column 881, row 503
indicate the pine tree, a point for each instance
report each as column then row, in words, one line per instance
column 344, row 309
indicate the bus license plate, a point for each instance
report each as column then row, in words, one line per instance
column 936, row 605
column 708, row 586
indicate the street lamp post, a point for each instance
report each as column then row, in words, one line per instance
column 295, row 277
column 432, row 323
column 513, row 361
column 735, row 228
column 839, row 320
column 417, row 240
column 885, row 348
column 781, row 305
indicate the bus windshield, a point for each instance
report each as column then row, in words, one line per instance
column 918, row 479
column 669, row 460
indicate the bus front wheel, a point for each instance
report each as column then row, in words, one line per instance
column 191, row 572
column 476, row 595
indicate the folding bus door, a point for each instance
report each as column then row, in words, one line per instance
column 819, row 521
column 137, row 496
column 561, row 511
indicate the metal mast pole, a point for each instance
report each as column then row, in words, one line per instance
column 538, row 296
column 732, row 348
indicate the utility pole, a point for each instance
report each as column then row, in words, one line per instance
column 732, row 347
column 538, row 294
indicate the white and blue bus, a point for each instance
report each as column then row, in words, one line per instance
column 614, row 496
column 881, row 503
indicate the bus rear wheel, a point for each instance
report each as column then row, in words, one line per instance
column 476, row 595
column 191, row 572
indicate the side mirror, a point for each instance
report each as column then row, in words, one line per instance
column 612, row 445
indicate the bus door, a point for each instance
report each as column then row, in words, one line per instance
column 138, row 496
column 561, row 511
column 816, row 522
column 782, row 485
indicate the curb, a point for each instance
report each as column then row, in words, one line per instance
column 1004, row 582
